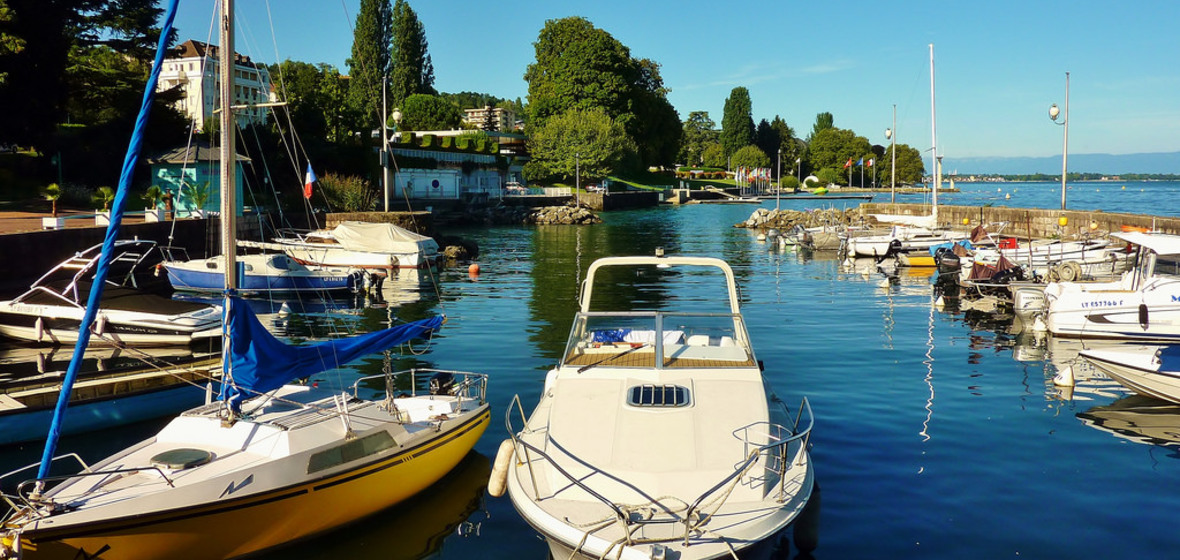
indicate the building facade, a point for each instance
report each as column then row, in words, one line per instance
column 490, row 118
column 194, row 67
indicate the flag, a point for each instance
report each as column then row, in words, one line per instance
column 308, row 181
column 870, row 163
column 849, row 164
column 860, row 161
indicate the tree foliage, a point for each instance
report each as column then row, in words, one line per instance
column 411, row 70
column 369, row 62
column 589, row 140
column 10, row 44
column 833, row 147
column 823, row 121
column 581, row 67
column 910, row 167
column 699, row 132
column 714, row 155
column 429, row 112
column 750, row 156
column 737, row 126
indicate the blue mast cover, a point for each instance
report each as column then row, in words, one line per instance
column 261, row 363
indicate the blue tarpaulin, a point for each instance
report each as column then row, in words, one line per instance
column 261, row 363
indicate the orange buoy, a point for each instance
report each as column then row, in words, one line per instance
column 473, row 269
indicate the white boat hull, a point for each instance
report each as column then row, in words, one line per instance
column 1137, row 369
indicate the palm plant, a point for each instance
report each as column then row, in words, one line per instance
column 52, row 193
column 199, row 194
column 104, row 196
column 152, row 196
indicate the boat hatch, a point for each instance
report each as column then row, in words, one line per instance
column 182, row 458
column 671, row 396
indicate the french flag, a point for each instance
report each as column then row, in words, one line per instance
column 308, row 181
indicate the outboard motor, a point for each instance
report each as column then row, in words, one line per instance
column 441, row 383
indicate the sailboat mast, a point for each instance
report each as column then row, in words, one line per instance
column 228, row 149
column 937, row 173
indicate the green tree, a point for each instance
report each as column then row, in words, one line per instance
column 10, row 44
column 411, row 70
column 589, row 140
column 579, row 66
column 429, row 112
column 833, row 147
column 823, row 121
column 699, row 132
column 767, row 138
column 713, row 155
column 791, row 146
column 369, row 62
column 910, row 167
column 750, row 156
column 737, row 126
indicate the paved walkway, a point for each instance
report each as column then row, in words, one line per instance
column 17, row 221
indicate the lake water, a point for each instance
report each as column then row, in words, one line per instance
column 938, row 434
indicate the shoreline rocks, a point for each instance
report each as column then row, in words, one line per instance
column 764, row 218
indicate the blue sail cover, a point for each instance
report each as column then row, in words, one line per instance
column 1169, row 357
column 262, row 363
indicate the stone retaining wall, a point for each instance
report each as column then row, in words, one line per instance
column 1031, row 222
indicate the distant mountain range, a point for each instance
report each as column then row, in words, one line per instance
column 1109, row 164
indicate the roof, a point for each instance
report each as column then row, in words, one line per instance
column 197, row 49
column 1162, row 243
column 196, row 152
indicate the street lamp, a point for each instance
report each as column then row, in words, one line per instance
column 892, row 158
column 1053, row 113
column 577, row 178
column 397, row 119
column 799, row 171
column 780, row 179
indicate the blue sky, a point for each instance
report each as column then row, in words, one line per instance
column 999, row 64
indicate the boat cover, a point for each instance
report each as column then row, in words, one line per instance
column 381, row 238
column 262, row 363
column 1169, row 357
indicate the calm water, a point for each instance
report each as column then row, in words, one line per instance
column 1108, row 196
column 937, row 435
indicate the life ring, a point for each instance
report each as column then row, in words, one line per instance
column 1069, row 271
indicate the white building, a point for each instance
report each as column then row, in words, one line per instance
column 193, row 65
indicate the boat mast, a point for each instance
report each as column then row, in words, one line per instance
column 228, row 151
column 937, row 173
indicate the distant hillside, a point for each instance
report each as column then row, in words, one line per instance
column 1110, row 164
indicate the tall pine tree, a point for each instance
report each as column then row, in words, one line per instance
column 737, row 124
column 370, row 62
column 410, row 68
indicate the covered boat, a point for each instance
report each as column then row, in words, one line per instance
column 266, row 273
column 358, row 244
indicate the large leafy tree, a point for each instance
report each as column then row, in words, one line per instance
column 370, row 61
column 737, row 124
column 429, row 112
column 750, row 156
column 579, row 66
column 791, row 146
column 910, row 167
column 699, row 132
column 10, row 43
column 316, row 97
column 585, row 139
column 713, row 155
column 833, row 147
column 411, row 70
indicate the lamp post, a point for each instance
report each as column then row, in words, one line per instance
column 384, row 144
column 892, row 158
column 577, row 178
column 397, row 119
column 780, row 180
column 799, row 171
column 1053, row 113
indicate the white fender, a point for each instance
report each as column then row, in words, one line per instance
column 498, row 481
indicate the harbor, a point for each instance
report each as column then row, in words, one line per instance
column 957, row 418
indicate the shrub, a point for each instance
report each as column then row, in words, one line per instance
column 462, row 143
column 405, row 138
column 446, row 142
column 347, row 193
column 427, row 140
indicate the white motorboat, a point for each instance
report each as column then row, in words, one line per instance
column 657, row 435
column 51, row 310
column 1141, row 304
column 901, row 239
column 268, row 463
column 1148, row 370
column 1060, row 260
column 357, row 244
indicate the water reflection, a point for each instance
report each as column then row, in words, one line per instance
column 416, row 528
column 1139, row 419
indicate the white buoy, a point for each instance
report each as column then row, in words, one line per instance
column 1007, row 196
column 498, row 481
column 284, row 310
column 1064, row 377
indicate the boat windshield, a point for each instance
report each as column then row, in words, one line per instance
column 658, row 340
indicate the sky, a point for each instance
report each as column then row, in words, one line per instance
column 999, row 65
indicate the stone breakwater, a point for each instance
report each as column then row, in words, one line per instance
column 548, row 215
column 764, row 218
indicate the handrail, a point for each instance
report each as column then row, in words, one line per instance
column 751, row 458
column 31, row 502
column 469, row 380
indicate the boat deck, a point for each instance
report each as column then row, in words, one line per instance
column 676, row 356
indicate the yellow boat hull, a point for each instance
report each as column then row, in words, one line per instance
column 230, row 528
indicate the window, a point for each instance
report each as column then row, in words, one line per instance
column 351, row 451
column 670, row 396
